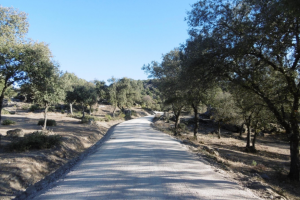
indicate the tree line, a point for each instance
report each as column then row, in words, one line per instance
column 241, row 61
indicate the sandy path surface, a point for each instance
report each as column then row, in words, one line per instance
column 138, row 162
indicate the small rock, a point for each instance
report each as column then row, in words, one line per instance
column 15, row 133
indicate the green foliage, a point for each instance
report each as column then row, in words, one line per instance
column 10, row 93
column 123, row 93
column 133, row 113
column 77, row 115
column 51, row 109
column 50, row 122
column 8, row 122
column 34, row 107
column 19, row 57
column 254, row 163
column 121, row 115
column 101, row 89
column 5, row 112
column 25, row 107
column 88, row 118
column 182, row 126
column 35, row 140
column 108, row 118
column 127, row 116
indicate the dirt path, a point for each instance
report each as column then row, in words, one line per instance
column 138, row 162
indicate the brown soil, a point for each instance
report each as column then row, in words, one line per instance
column 19, row 170
column 264, row 172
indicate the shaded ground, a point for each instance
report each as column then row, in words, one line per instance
column 19, row 170
column 265, row 171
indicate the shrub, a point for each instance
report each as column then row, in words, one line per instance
column 5, row 112
column 128, row 116
column 134, row 113
column 62, row 111
column 34, row 107
column 121, row 115
column 51, row 109
column 50, row 122
column 35, row 140
column 254, row 163
column 181, row 126
column 8, row 122
column 89, row 118
column 25, row 107
column 76, row 115
column 107, row 118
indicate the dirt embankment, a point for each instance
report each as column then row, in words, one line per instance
column 264, row 172
column 20, row 170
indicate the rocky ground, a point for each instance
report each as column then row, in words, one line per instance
column 264, row 172
column 20, row 170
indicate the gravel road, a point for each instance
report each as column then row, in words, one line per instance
column 138, row 162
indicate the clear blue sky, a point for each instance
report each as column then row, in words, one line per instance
column 98, row 39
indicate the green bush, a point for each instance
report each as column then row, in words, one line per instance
column 25, row 107
column 87, row 119
column 121, row 115
column 127, row 116
column 50, row 122
column 5, row 112
column 181, row 126
column 8, row 122
column 51, row 109
column 35, row 140
column 62, row 111
column 134, row 113
column 107, row 118
column 34, row 107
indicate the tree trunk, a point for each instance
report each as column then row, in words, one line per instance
column 90, row 110
column 45, row 116
column 195, row 120
column 1, row 101
column 294, row 144
column 177, row 118
column 248, row 136
column 241, row 129
column 25, row 98
column 219, row 130
column 255, row 135
column 83, row 112
column 71, row 108
column 114, row 111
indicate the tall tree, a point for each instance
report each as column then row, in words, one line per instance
column 101, row 89
column 123, row 93
column 69, row 81
column 259, row 49
column 47, row 87
column 195, row 76
column 168, row 72
column 18, row 56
